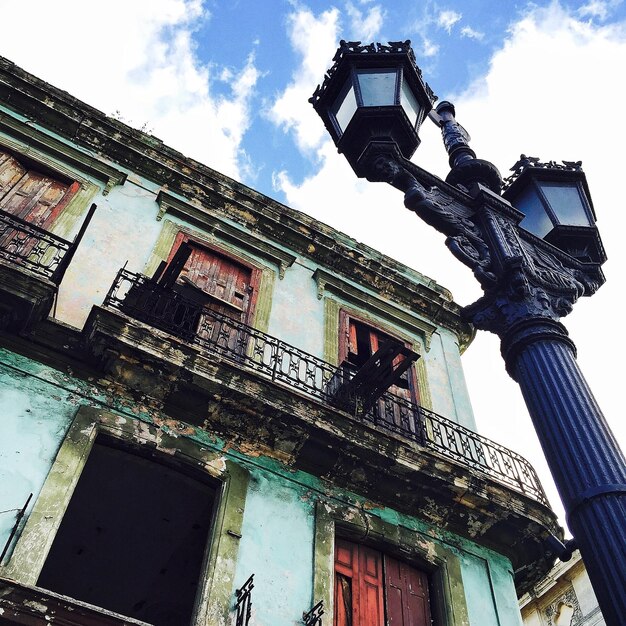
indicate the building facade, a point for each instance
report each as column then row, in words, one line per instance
column 564, row 597
column 218, row 410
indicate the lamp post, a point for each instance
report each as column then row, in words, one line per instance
column 534, row 248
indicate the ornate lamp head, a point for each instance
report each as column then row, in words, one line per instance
column 373, row 94
column 557, row 205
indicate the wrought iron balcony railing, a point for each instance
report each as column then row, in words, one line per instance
column 34, row 248
column 143, row 299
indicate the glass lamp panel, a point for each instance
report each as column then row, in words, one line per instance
column 345, row 107
column 378, row 87
column 409, row 103
column 536, row 219
column 565, row 201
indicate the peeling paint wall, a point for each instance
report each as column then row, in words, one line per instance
column 278, row 530
column 126, row 229
column 269, row 514
column 123, row 229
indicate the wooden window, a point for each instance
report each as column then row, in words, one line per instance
column 375, row 589
column 31, row 195
column 359, row 341
column 220, row 282
column 218, row 294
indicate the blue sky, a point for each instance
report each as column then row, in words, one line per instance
column 227, row 82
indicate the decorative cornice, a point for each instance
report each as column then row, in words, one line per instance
column 379, row 307
column 25, row 137
column 214, row 224
column 89, row 129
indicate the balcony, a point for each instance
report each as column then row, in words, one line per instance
column 32, row 264
column 246, row 348
column 32, row 606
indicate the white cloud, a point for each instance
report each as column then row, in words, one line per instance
column 470, row 33
column 538, row 97
column 429, row 47
column 150, row 72
column 365, row 26
column 315, row 39
column 600, row 9
column 447, row 19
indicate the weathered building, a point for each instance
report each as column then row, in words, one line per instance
column 199, row 384
column 563, row 597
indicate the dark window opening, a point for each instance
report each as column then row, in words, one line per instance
column 133, row 538
column 376, row 589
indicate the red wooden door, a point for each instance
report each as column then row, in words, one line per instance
column 372, row 589
column 359, row 599
column 406, row 594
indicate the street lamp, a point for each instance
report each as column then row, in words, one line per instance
column 534, row 248
column 557, row 206
column 374, row 96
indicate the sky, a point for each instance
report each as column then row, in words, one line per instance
column 227, row 82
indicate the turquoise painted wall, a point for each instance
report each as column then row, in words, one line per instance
column 297, row 314
column 38, row 404
column 277, row 546
column 34, row 421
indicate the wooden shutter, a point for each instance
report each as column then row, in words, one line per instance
column 228, row 285
column 353, row 344
column 406, row 594
column 359, row 599
column 30, row 195
column 10, row 173
column 346, row 575
column 371, row 598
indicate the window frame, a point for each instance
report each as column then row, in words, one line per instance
column 440, row 563
column 264, row 275
column 32, row 169
column 362, row 577
column 52, row 157
column 346, row 316
column 334, row 309
column 215, row 587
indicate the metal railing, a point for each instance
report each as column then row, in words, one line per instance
column 33, row 247
column 314, row 616
column 143, row 299
column 243, row 602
